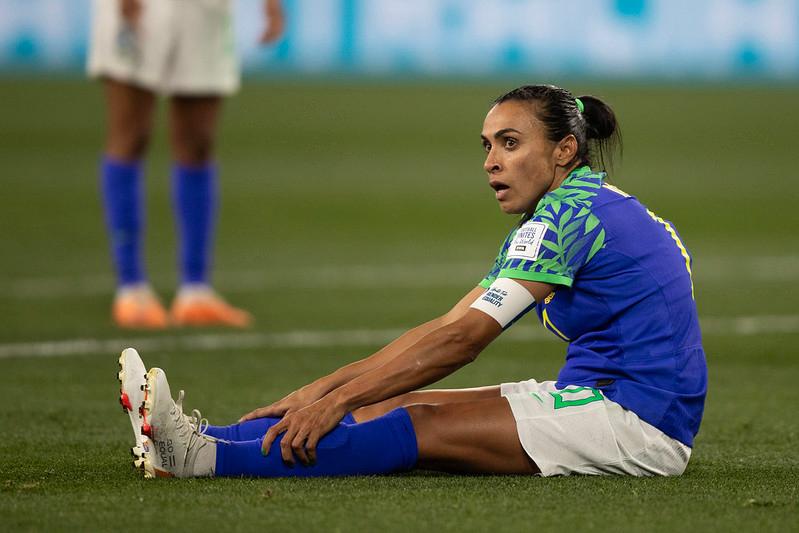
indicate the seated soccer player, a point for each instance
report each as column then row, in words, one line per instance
column 604, row 274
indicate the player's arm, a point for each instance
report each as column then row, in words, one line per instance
column 131, row 11
column 437, row 354
column 275, row 21
column 315, row 390
column 447, row 347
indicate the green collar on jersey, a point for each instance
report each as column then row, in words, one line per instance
column 582, row 172
column 577, row 190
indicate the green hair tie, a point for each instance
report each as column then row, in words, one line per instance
column 580, row 105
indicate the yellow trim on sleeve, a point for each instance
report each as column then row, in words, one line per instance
column 548, row 323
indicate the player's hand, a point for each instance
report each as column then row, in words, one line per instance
column 288, row 404
column 303, row 429
column 131, row 12
column 276, row 22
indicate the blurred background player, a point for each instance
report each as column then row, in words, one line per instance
column 185, row 51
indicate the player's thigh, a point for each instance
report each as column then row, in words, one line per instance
column 434, row 396
column 476, row 436
column 130, row 111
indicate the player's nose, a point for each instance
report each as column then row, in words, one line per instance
column 491, row 165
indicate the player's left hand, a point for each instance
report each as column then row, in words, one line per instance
column 303, row 429
column 276, row 22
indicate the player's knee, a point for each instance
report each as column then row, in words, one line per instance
column 195, row 149
column 424, row 416
column 129, row 145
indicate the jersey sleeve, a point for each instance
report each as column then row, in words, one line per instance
column 553, row 245
column 496, row 267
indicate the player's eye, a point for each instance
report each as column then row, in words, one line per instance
column 486, row 146
column 510, row 142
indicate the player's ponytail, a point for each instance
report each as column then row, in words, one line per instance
column 602, row 130
column 592, row 122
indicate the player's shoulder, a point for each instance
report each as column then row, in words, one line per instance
column 576, row 196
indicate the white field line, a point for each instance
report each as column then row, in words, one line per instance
column 732, row 326
column 714, row 268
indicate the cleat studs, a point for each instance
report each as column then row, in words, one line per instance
column 147, row 430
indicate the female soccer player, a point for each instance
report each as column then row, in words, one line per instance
column 604, row 274
column 184, row 50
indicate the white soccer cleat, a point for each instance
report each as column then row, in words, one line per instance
column 132, row 378
column 178, row 446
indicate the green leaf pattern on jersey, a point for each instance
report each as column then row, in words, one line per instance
column 576, row 233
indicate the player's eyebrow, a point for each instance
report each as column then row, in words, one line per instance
column 503, row 131
column 500, row 133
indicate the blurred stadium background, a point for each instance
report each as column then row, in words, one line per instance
column 354, row 205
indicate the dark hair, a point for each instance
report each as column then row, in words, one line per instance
column 595, row 128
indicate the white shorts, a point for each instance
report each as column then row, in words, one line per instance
column 576, row 430
column 183, row 47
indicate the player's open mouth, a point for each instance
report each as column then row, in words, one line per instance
column 499, row 189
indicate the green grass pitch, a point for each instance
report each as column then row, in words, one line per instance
column 350, row 210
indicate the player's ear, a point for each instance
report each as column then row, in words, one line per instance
column 566, row 150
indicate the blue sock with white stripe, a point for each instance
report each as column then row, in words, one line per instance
column 195, row 201
column 381, row 446
column 121, row 184
column 253, row 429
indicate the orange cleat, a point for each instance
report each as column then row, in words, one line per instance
column 199, row 305
column 138, row 307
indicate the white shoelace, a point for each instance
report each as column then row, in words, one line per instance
column 195, row 421
column 191, row 429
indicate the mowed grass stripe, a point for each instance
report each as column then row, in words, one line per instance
column 740, row 325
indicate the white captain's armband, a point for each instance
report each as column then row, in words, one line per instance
column 505, row 301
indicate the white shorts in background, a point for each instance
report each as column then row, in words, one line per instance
column 576, row 430
column 183, row 47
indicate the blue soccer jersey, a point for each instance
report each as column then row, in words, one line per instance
column 624, row 299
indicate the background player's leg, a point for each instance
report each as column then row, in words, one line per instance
column 129, row 112
column 129, row 120
column 435, row 396
column 193, row 122
column 474, row 436
column 192, row 125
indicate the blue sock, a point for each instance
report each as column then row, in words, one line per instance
column 249, row 430
column 121, row 183
column 380, row 446
column 195, row 200
column 253, row 429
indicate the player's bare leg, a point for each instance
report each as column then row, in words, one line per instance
column 192, row 128
column 193, row 123
column 129, row 122
column 435, row 396
column 474, row 437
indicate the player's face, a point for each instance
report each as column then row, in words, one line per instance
column 520, row 162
